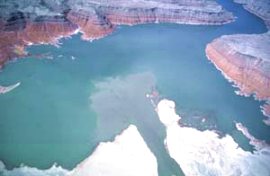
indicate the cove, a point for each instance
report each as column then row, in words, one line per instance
column 56, row 112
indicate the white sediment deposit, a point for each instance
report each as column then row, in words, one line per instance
column 258, row 144
column 31, row 171
column 204, row 153
column 96, row 18
column 245, row 58
column 127, row 155
column 6, row 89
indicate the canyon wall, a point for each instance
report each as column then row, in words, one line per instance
column 245, row 60
column 29, row 22
column 261, row 8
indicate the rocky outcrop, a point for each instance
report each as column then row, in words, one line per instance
column 245, row 60
column 45, row 21
column 266, row 112
column 209, row 153
column 92, row 24
column 256, row 143
column 261, row 8
column 6, row 89
column 127, row 155
column 97, row 18
column 13, row 42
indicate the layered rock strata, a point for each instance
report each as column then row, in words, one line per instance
column 266, row 112
column 45, row 21
column 97, row 18
column 245, row 60
column 13, row 42
column 30, row 22
column 261, row 8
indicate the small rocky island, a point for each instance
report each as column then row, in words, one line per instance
column 260, row 8
column 245, row 58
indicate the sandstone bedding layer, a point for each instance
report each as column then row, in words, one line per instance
column 261, row 8
column 45, row 21
column 245, row 60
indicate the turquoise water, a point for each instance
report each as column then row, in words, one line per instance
column 65, row 107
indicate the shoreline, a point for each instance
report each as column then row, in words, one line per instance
column 18, row 31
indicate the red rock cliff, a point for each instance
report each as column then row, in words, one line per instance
column 37, row 22
column 245, row 60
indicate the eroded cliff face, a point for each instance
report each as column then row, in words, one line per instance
column 13, row 42
column 261, row 8
column 30, row 22
column 97, row 18
column 45, row 21
column 245, row 60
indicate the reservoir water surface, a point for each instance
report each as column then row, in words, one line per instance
column 84, row 93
